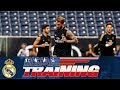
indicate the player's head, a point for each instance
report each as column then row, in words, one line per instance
column 23, row 45
column 59, row 22
column 46, row 29
column 90, row 46
column 117, row 47
column 109, row 27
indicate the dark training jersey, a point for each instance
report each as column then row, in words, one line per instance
column 103, row 40
column 62, row 49
column 44, row 51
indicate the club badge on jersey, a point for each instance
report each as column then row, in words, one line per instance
column 58, row 40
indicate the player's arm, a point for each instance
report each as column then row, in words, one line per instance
column 94, row 54
column 50, row 50
column 34, row 51
column 114, row 42
column 19, row 53
column 50, row 46
column 86, row 53
column 101, row 41
column 27, row 53
column 35, row 44
column 72, row 37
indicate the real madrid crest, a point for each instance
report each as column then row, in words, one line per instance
column 9, row 69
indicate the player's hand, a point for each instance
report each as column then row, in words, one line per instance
column 42, row 45
column 64, row 38
column 46, row 44
column 110, row 42
column 54, row 56
column 50, row 51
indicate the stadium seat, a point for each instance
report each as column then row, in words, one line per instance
column 91, row 23
column 42, row 13
column 5, row 23
column 80, row 14
column 28, row 23
column 118, row 30
column 3, row 19
column 100, row 23
column 70, row 14
column 34, row 32
column 89, row 14
column 61, row 13
column 6, row 28
column 82, row 31
column 52, row 14
column 33, row 19
column 25, row 33
column 15, row 33
column 32, row 14
column 23, row 13
column 74, row 30
column 92, row 31
column 34, row 28
column 6, row 33
column 16, row 23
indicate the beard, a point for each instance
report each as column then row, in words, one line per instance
column 59, row 28
column 109, row 31
column 47, row 33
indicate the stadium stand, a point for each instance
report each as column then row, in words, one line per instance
column 81, row 23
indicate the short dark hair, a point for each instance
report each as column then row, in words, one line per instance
column 60, row 19
column 109, row 23
column 44, row 26
column 24, row 44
